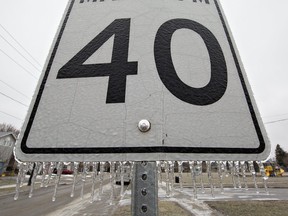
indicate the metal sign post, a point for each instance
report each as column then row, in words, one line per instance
column 145, row 189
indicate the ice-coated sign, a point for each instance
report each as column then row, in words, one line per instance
column 143, row 80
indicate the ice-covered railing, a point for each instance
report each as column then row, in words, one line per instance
column 174, row 175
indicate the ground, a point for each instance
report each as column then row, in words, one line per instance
column 229, row 208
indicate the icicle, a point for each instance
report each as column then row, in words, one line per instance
column 167, row 178
column 101, row 178
column 112, row 181
column 50, row 171
column 220, row 174
column 83, row 178
column 243, row 171
column 263, row 175
column 159, row 171
column 25, row 170
column 172, row 177
column 225, row 168
column 75, row 173
column 180, row 164
column 31, row 166
column 252, row 170
column 40, row 168
column 162, row 168
column 238, row 174
column 193, row 174
column 94, row 174
column 44, row 173
column 118, row 173
column 201, row 176
column 122, row 178
column 35, row 172
column 18, row 181
column 57, row 180
column 232, row 171
column 131, row 169
column 210, row 178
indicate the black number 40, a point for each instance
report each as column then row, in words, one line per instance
column 119, row 67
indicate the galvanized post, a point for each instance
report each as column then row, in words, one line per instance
column 145, row 189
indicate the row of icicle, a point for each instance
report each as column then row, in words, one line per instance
column 96, row 171
column 236, row 169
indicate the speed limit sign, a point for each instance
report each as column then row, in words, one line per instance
column 143, row 80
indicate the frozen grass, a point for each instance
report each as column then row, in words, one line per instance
column 250, row 208
column 223, row 208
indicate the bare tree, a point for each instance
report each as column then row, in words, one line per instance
column 281, row 156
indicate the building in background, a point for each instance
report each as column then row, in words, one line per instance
column 7, row 143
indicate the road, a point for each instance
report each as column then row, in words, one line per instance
column 41, row 202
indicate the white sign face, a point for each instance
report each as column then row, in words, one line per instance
column 172, row 64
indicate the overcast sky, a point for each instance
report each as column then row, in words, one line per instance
column 259, row 28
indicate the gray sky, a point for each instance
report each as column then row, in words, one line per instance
column 259, row 28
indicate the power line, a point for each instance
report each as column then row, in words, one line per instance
column 275, row 115
column 18, row 64
column 19, row 53
column 280, row 120
column 15, row 89
column 11, row 115
column 13, row 99
column 19, row 44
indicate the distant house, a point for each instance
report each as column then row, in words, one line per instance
column 7, row 143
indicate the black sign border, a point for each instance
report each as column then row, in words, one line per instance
column 149, row 149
